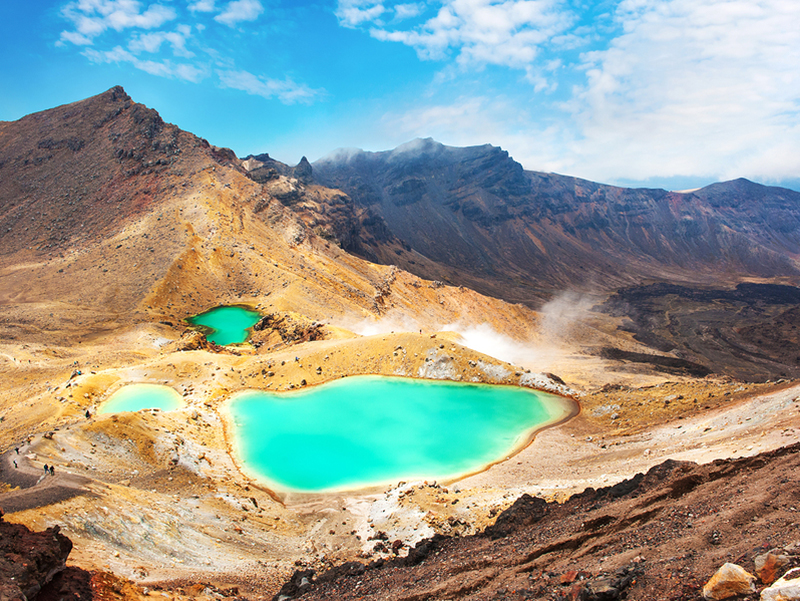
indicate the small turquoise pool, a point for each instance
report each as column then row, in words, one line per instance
column 226, row 325
column 370, row 430
column 134, row 397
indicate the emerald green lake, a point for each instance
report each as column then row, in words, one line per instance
column 134, row 397
column 369, row 430
column 226, row 325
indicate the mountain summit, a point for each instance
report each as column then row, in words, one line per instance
column 520, row 235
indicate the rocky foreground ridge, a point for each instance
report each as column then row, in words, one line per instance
column 660, row 535
column 29, row 560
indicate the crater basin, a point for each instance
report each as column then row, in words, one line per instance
column 364, row 431
column 226, row 325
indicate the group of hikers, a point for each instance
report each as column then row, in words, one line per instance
column 49, row 470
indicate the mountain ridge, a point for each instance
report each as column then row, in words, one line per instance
column 478, row 206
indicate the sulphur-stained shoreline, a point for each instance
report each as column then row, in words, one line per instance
column 559, row 408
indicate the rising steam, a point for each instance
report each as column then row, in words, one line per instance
column 559, row 320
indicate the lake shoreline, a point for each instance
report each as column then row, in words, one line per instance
column 558, row 409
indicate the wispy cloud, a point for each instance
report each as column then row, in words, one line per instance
column 408, row 11
column 352, row 13
column 93, row 17
column 238, row 11
column 202, row 6
column 713, row 80
column 136, row 33
column 162, row 68
column 286, row 90
column 474, row 32
column 151, row 42
column 669, row 87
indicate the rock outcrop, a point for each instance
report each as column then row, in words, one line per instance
column 29, row 560
column 284, row 329
column 769, row 565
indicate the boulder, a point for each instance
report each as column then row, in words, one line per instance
column 729, row 581
column 768, row 565
column 786, row 588
column 29, row 560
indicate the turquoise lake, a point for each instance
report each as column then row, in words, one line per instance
column 134, row 397
column 226, row 325
column 369, row 430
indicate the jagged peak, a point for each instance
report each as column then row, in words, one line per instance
column 115, row 94
column 302, row 171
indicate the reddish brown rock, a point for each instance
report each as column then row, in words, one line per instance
column 769, row 565
column 29, row 560
column 786, row 588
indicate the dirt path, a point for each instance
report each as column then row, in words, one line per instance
column 31, row 487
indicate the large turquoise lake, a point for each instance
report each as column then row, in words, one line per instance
column 134, row 397
column 369, row 430
column 226, row 325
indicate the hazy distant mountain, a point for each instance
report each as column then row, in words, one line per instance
column 489, row 224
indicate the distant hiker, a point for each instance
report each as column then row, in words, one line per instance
column 15, row 465
column 52, row 470
column 88, row 415
column 46, row 469
column 17, row 450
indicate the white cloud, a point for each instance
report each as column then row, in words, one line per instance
column 238, row 11
column 73, row 37
column 285, row 90
column 151, row 42
column 164, row 68
column 408, row 11
column 202, row 6
column 352, row 13
column 693, row 87
column 477, row 32
column 93, row 17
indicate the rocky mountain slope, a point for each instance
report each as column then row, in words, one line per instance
column 520, row 235
column 112, row 216
column 660, row 535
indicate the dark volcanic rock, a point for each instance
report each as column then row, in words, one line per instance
column 29, row 560
column 515, row 234
column 525, row 511
column 750, row 332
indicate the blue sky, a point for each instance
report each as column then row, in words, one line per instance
column 670, row 93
